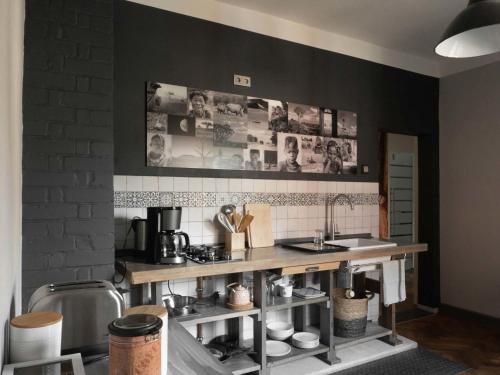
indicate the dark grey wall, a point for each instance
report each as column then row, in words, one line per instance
column 156, row 45
column 151, row 44
column 67, row 142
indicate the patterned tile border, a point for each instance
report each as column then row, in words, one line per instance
column 140, row 199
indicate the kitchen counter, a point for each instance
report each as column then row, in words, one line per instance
column 254, row 260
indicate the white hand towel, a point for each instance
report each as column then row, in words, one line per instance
column 393, row 280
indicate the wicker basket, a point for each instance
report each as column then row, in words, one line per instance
column 349, row 315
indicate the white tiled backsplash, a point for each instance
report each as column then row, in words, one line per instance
column 298, row 208
column 302, row 212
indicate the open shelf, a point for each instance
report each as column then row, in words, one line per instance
column 373, row 331
column 295, row 354
column 280, row 303
column 241, row 364
column 213, row 313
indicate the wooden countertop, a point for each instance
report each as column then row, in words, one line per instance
column 255, row 260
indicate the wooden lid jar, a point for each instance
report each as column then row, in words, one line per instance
column 160, row 312
column 35, row 335
column 135, row 345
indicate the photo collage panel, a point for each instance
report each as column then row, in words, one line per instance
column 196, row 128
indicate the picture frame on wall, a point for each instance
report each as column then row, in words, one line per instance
column 204, row 129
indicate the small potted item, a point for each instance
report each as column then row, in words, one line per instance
column 239, row 297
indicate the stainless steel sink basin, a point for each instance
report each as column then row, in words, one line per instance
column 362, row 243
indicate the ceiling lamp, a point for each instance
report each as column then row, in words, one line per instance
column 474, row 32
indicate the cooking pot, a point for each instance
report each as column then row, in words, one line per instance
column 179, row 305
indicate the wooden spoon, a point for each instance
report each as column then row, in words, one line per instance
column 245, row 222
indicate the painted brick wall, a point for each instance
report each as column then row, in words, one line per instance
column 68, row 229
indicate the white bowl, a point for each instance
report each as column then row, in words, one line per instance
column 279, row 330
column 305, row 340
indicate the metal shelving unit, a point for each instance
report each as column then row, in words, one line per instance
column 280, row 303
column 243, row 363
column 208, row 314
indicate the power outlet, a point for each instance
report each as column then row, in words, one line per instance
column 242, row 80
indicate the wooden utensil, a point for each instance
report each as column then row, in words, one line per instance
column 260, row 231
column 236, row 221
column 245, row 222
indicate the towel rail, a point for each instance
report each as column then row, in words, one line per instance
column 354, row 268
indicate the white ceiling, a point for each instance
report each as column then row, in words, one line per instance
column 409, row 26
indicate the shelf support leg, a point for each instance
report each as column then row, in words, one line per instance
column 387, row 318
column 326, row 318
column 156, row 293
column 144, row 293
column 235, row 325
column 300, row 312
column 259, row 327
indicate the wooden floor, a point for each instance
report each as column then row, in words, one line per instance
column 473, row 341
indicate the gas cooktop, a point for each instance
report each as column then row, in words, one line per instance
column 204, row 254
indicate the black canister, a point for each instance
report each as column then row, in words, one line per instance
column 140, row 227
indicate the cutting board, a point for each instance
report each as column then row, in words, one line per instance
column 260, row 231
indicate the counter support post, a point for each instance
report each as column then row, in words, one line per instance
column 259, row 326
column 156, row 293
column 300, row 312
column 387, row 318
column 235, row 325
column 326, row 318
column 144, row 293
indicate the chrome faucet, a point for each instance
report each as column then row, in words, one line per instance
column 333, row 228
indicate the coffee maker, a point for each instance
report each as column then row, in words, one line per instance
column 165, row 245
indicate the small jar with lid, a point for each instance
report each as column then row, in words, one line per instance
column 35, row 336
column 135, row 345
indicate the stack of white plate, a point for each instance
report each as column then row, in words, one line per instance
column 277, row 348
column 305, row 340
column 279, row 330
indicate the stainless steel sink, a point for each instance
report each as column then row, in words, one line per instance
column 362, row 243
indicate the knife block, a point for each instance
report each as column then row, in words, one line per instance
column 234, row 241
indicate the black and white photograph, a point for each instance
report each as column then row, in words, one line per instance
column 349, row 155
column 231, row 133
column 328, row 117
column 254, row 158
column 227, row 106
column 270, row 160
column 303, row 119
column 258, row 113
column 190, row 152
column 228, row 158
column 157, row 121
column 347, row 124
column 262, row 137
column 198, row 128
column 164, row 98
column 311, row 153
column 289, row 153
column 278, row 115
column 200, row 104
column 158, row 149
column 204, row 129
column 181, row 125
column 332, row 160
